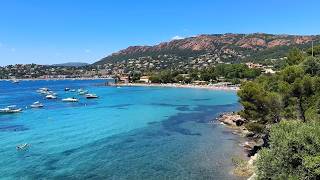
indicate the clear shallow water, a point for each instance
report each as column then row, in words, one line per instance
column 128, row 133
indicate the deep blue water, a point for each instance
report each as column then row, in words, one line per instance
column 128, row 133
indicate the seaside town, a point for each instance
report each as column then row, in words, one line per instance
column 160, row 90
column 133, row 71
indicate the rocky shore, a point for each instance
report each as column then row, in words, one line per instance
column 254, row 142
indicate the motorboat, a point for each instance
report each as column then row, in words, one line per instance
column 72, row 90
column 51, row 92
column 22, row 147
column 43, row 90
column 66, row 89
column 83, row 92
column 15, row 81
column 70, row 99
column 91, row 96
column 11, row 109
column 36, row 105
column 51, row 96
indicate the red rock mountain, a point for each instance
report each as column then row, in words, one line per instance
column 239, row 44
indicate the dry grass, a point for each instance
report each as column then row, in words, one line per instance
column 242, row 168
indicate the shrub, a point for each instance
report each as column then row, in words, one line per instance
column 294, row 152
column 255, row 127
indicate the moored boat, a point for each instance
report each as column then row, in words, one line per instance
column 15, row 81
column 51, row 96
column 43, row 90
column 84, row 92
column 70, row 100
column 11, row 109
column 36, row 105
column 91, row 96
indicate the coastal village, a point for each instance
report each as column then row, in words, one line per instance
column 121, row 71
column 160, row 90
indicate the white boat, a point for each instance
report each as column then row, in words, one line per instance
column 21, row 147
column 84, row 92
column 70, row 100
column 91, row 96
column 66, row 89
column 72, row 90
column 36, row 105
column 11, row 109
column 52, row 93
column 51, row 96
column 15, row 81
column 43, row 90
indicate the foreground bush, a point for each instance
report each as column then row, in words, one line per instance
column 294, row 152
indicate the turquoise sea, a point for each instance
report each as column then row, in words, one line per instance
column 128, row 133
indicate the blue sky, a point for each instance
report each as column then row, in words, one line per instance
column 55, row 31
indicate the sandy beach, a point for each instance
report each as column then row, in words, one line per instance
column 174, row 85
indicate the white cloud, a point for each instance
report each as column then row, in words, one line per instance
column 177, row 38
column 87, row 50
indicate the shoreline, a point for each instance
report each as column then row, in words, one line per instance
column 175, row 85
column 253, row 142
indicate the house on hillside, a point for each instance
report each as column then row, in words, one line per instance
column 253, row 65
column 144, row 79
column 268, row 71
column 124, row 79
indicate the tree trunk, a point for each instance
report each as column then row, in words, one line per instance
column 301, row 110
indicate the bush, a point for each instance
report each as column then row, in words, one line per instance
column 255, row 127
column 294, row 152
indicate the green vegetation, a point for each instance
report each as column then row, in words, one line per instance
column 228, row 72
column 286, row 105
column 294, row 152
column 316, row 50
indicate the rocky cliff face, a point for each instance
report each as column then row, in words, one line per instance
column 242, row 44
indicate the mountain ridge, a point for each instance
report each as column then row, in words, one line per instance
column 241, row 44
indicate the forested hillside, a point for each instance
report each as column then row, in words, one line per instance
column 286, row 107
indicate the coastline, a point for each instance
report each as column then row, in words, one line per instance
column 253, row 142
column 176, row 85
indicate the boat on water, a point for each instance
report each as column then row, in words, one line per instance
column 11, row 109
column 66, row 89
column 36, row 105
column 72, row 90
column 43, row 90
column 22, row 147
column 52, row 93
column 15, row 81
column 91, row 96
column 84, row 92
column 51, row 96
column 70, row 100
